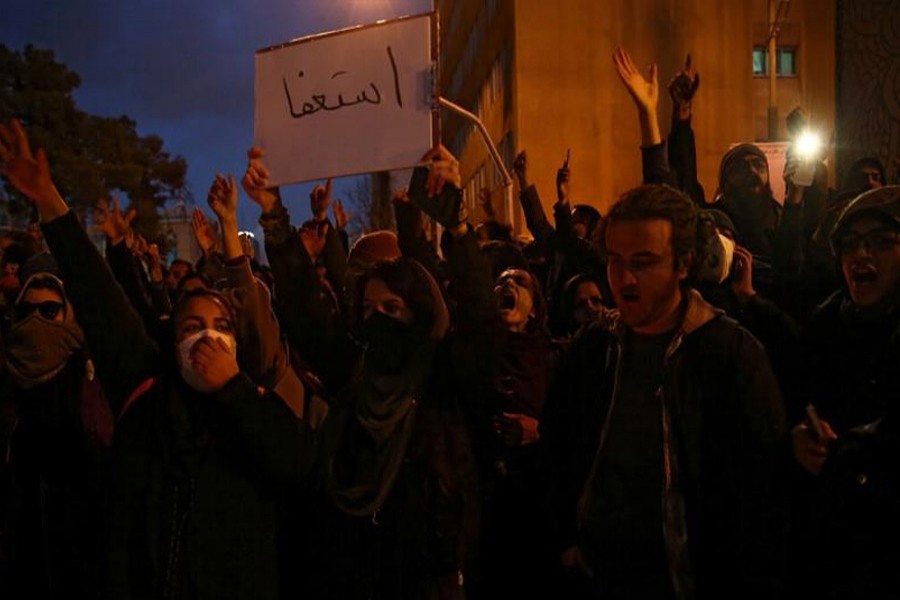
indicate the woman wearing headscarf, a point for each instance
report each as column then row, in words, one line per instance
column 58, row 448
column 201, row 454
column 396, row 471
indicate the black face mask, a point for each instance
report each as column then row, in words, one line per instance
column 390, row 344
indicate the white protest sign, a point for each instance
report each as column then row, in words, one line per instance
column 346, row 102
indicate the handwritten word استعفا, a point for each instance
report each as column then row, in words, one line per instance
column 320, row 101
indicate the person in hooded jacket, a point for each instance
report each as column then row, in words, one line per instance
column 59, row 445
column 395, row 464
column 201, row 453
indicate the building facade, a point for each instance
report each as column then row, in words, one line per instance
column 540, row 76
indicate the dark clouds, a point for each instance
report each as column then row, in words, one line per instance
column 181, row 69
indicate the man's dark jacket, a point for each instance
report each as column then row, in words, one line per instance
column 723, row 421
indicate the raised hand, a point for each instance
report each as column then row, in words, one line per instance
column 29, row 173
column 223, row 199
column 113, row 223
column 341, row 216
column 313, row 239
column 319, row 200
column 682, row 89
column 562, row 183
column 809, row 451
column 447, row 209
column 206, row 235
column 742, row 282
column 256, row 181
column 644, row 92
column 444, row 170
column 140, row 245
column 520, row 166
column 154, row 261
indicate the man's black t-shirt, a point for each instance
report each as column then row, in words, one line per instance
column 623, row 525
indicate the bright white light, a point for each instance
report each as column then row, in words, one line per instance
column 808, row 144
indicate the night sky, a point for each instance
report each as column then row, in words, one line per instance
column 184, row 69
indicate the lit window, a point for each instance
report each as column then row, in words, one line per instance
column 785, row 62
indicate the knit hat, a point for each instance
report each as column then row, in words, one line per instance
column 374, row 247
column 882, row 202
column 731, row 158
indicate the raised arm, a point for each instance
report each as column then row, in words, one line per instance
column 471, row 284
column 535, row 217
column 211, row 265
column 411, row 233
column 645, row 94
column 334, row 250
column 681, row 145
column 127, row 270
column 159, row 296
column 262, row 354
column 311, row 322
column 123, row 352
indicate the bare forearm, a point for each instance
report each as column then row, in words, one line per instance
column 230, row 240
column 650, row 134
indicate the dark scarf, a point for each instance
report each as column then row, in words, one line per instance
column 373, row 435
column 39, row 348
column 372, row 431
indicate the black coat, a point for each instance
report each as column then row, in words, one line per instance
column 855, row 518
column 417, row 543
column 727, row 421
column 58, row 451
column 849, row 367
column 196, row 478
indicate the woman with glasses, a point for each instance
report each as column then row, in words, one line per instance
column 850, row 354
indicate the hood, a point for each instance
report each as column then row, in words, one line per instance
column 698, row 313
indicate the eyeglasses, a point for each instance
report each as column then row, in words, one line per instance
column 877, row 240
column 48, row 309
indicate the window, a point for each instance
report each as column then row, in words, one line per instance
column 785, row 62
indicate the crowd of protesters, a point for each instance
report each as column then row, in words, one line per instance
column 687, row 397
